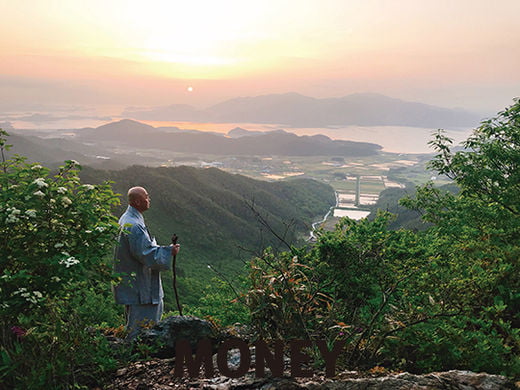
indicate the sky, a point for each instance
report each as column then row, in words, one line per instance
column 457, row 53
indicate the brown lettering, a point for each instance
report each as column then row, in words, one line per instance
column 298, row 358
column 184, row 356
column 330, row 357
column 274, row 361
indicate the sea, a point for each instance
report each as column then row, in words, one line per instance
column 393, row 139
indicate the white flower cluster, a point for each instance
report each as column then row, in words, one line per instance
column 66, row 201
column 30, row 296
column 88, row 187
column 40, row 182
column 100, row 229
column 61, row 190
column 39, row 193
column 69, row 261
column 36, row 167
column 13, row 215
column 31, row 213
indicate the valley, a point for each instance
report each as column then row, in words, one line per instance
column 358, row 181
column 358, row 172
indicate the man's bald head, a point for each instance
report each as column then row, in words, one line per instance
column 138, row 198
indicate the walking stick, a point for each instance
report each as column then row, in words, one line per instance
column 174, row 241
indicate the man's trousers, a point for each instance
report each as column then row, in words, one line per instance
column 141, row 316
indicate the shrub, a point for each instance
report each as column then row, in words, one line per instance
column 56, row 238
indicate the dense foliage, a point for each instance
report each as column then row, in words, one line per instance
column 55, row 235
column 405, row 217
column 443, row 298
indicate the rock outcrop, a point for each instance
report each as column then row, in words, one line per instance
column 164, row 335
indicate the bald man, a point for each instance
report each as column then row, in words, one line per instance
column 139, row 262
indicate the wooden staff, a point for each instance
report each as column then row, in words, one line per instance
column 174, row 242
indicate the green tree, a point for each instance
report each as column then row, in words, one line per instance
column 479, row 229
column 444, row 298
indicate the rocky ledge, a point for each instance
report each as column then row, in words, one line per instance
column 158, row 375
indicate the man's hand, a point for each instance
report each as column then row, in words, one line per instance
column 175, row 249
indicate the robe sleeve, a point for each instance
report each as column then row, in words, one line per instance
column 146, row 251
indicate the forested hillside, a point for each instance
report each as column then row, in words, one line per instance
column 211, row 212
column 404, row 217
column 44, row 151
column 52, row 152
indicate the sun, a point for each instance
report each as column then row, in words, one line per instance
column 189, row 89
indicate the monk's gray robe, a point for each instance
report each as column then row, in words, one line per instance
column 139, row 261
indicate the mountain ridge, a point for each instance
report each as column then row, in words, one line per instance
column 142, row 136
column 294, row 109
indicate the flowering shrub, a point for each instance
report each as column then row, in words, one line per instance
column 54, row 233
column 56, row 243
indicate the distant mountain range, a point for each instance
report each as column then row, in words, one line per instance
column 114, row 145
column 138, row 135
column 292, row 109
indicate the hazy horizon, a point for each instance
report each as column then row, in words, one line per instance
column 73, row 54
